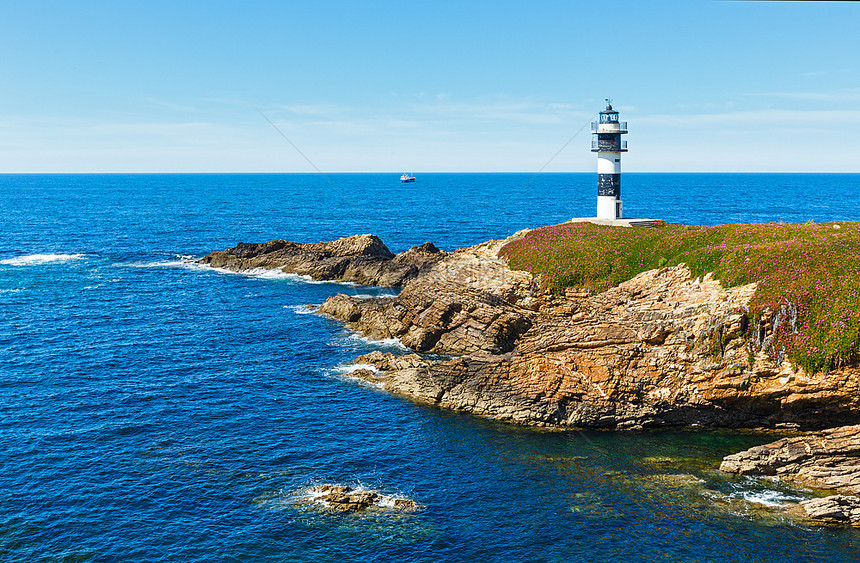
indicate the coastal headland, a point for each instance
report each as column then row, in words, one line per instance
column 587, row 326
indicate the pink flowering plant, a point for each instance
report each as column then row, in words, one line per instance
column 808, row 274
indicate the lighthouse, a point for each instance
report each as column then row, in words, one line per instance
column 608, row 145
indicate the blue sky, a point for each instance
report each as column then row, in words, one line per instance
column 179, row 86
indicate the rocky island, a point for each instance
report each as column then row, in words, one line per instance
column 526, row 330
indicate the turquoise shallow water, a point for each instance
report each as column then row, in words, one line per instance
column 153, row 410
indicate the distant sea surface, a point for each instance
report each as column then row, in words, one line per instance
column 155, row 410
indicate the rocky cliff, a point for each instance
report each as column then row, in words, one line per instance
column 660, row 349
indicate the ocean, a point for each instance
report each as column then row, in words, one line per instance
column 157, row 410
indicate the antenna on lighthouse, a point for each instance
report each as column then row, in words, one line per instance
column 608, row 145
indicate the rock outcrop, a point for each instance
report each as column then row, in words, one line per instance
column 362, row 259
column 660, row 349
column 828, row 460
column 339, row 498
column 469, row 303
column 835, row 509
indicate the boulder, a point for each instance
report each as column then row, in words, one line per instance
column 339, row 499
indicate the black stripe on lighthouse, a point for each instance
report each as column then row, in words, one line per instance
column 609, row 142
column 609, row 184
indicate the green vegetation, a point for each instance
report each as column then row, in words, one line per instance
column 808, row 273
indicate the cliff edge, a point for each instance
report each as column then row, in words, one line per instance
column 663, row 348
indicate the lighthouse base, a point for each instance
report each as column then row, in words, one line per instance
column 608, row 207
column 619, row 222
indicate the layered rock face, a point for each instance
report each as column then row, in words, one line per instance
column 827, row 460
column 660, row 349
column 362, row 259
column 471, row 302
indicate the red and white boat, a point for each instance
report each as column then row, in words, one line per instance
column 406, row 177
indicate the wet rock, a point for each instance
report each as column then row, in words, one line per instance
column 828, row 460
column 338, row 498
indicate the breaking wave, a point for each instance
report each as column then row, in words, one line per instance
column 37, row 259
column 303, row 309
column 363, row 341
column 346, row 372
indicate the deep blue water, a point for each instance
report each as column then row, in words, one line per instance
column 157, row 411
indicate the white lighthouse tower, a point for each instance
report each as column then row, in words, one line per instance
column 608, row 145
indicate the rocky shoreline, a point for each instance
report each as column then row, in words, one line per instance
column 661, row 349
column 361, row 259
column 828, row 460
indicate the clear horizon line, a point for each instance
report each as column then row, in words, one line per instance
column 398, row 172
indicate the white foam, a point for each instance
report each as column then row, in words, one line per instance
column 384, row 343
column 156, row 264
column 275, row 274
column 179, row 261
column 261, row 273
column 753, row 492
column 770, row 498
column 346, row 370
column 187, row 261
column 270, row 274
column 303, row 309
column 36, row 259
column 369, row 296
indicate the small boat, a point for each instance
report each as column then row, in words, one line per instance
column 406, row 177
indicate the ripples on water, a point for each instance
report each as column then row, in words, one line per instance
column 154, row 410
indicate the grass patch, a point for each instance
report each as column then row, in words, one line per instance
column 808, row 273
